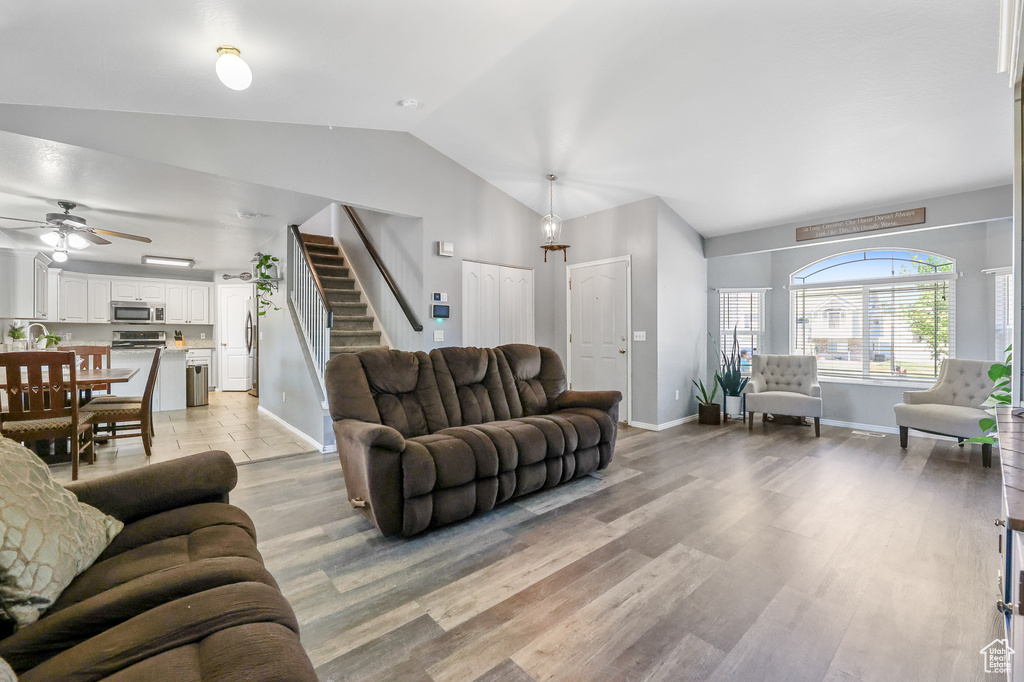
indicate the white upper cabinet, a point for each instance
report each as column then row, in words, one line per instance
column 41, row 286
column 124, row 290
column 138, row 290
column 99, row 300
column 73, row 299
column 23, row 285
column 199, row 304
column 152, row 292
column 176, row 311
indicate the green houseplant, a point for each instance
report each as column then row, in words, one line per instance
column 51, row 340
column 18, row 339
column 1000, row 373
column 731, row 378
column 265, row 267
column 708, row 411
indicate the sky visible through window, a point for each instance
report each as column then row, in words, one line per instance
column 867, row 265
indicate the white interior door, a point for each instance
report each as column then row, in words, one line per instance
column 599, row 328
column 515, row 309
column 233, row 301
column 480, row 303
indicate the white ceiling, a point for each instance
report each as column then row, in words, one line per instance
column 739, row 114
column 187, row 214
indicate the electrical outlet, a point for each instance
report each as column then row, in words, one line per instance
column 284, row 396
column 202, row 335
column 639, row 336
column 438, row 335
column 677, row 395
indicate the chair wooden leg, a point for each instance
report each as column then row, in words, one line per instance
column 904, row 436
column 147, row 442
column 817, row 427
column 986, row 455
column 750, row 421
column 74, row 458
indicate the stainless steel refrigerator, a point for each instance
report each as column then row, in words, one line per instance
column 252, row 344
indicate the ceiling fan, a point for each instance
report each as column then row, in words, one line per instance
column 67, row 230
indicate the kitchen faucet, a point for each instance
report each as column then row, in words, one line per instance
column 28, row 332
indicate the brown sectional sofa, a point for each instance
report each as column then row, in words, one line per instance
column 429, row 439
column 180, row 594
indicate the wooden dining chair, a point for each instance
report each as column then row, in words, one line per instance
column 92, row 357
column 41, row 391
column 110, row 418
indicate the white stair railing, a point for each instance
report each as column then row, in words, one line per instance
column 310, row 303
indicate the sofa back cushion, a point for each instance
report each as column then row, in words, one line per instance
column 404, row 390
column 792, row 373
column 538, row 375
column 470, row 384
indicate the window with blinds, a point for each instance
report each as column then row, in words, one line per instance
column 1004, row 312
column 875, row 314
column 742, row 311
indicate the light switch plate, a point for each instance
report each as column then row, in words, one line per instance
column 444, row 298
column 639, row 336
column 438, row 335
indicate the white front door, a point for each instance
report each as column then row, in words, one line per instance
column 233, row 301
column 599, row 329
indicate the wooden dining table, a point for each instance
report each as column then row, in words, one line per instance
column 88, row 379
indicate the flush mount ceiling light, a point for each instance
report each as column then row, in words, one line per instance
column 232, row 69
column 551, row 224
column 167, row 260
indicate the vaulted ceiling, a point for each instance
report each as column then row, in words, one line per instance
column 739, row 114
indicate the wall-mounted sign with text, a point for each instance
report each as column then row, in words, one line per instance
column 913, row 216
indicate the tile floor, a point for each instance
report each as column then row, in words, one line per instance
column 230, row 422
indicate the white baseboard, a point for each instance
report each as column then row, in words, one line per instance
column 666, row 425
column 304, row 436
column 862, row 427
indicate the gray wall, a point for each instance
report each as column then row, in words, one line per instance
column 682, row 310
column 975, row 247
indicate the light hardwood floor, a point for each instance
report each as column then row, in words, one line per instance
column 700, row 553
column 231, row 422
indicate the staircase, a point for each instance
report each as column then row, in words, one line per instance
column 352, row 329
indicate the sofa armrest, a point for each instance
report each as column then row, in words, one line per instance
column 815, row 390
column 756, row 384
column 601, row 400
column 371, row 459
column 924, row 397
column 138, row 493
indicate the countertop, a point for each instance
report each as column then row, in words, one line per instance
column 138, row 351
column 1011, row 460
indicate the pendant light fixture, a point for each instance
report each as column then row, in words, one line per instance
column 232, row 69
column 551, row 224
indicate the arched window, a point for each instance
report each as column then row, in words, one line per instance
column 875, row 314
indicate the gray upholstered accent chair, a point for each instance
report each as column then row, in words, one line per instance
column 952, row 407
column 786, row 385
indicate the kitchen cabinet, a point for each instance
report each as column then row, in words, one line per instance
column 138, row 290
column 73, row 298
column 187, row 304
column 23, row 276
column 169, row 391
column 99, row 300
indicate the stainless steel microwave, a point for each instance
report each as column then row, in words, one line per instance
column 138, row 312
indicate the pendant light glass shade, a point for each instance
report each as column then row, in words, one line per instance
column 232, row 69
column 551, row 225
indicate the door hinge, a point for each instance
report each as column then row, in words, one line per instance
column 570, row 338
column 570, row 283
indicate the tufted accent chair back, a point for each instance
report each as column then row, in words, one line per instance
column 792, row 373
column 538, row 376
column 963, row 382
column 470, row 385
column 404, row 390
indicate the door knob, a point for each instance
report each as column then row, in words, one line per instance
column 223, row 344
column 622, row 350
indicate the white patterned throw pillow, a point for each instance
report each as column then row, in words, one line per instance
column 47, row 536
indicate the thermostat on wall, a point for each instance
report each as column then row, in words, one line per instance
column 439, row 311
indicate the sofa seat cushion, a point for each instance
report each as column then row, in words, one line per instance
column 58, row 631
column 193, row 620
column 784, row 402
column 950, row 420
column 173, row 538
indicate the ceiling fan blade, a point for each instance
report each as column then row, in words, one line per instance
column 94, row 238
column 122, row 235
column 26, row 227
column 22, row 220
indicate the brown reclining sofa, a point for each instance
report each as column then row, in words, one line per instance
column 180, row 594
column 426, row 440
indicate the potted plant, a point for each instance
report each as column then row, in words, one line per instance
column 731, row 378
column 265, row 267
column 1001, row 373
column 708, row 411
column 17, row 338
column 47, row 341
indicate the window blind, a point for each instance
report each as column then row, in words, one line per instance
column 876, row 330
column 744, row 312
column 1004, row 313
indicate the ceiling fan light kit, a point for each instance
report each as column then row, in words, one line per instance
column 232, row 69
